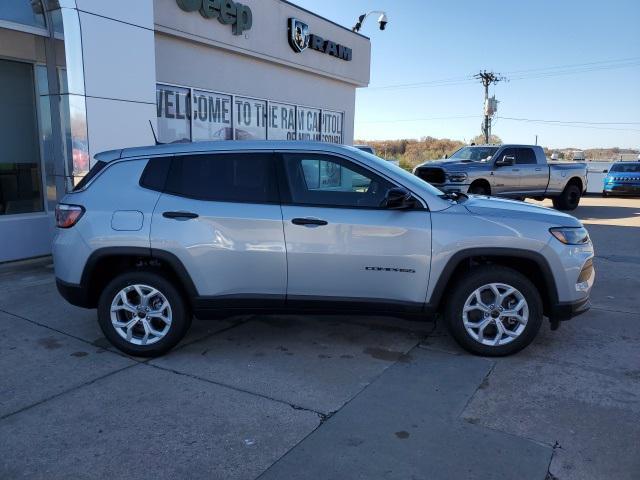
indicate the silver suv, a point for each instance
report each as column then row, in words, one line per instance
column 153, row 236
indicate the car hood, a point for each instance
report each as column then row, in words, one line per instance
column 499, row 207
column 456, row 165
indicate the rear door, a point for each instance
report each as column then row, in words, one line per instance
column 505, row 180
column 220, row 215
column 342, row 246
column 533, row 176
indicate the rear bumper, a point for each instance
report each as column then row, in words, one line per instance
column 566, row 311
column 74, row 294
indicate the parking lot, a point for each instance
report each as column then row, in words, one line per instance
column 326, row 397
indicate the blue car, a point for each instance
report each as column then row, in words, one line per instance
column 623, row 179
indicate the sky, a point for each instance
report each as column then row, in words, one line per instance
column 567, row 61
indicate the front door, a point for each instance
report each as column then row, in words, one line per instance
column 505, row 180
column 220, row 215
column 341, row 245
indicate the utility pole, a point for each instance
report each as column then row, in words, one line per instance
column 487, row 78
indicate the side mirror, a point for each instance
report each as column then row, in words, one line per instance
column 506, row 161
column 398, row 199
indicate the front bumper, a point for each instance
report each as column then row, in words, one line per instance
column 622, row 188
column 566, row 311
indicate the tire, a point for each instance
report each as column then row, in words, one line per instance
column 167, row 303
column 479, row 189
column 605, row 194
column 569, row 199
column 491, row 342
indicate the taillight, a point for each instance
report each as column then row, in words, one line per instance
column 68, row 215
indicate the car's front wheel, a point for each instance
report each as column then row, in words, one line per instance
column 494, row 311
column 142, row 314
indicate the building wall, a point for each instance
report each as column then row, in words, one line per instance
column 194, row 51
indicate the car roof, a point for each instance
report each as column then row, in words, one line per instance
column 220, row 146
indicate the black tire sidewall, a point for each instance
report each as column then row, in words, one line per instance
column 563, row 202
column 474, row 279
column 180, row 322
column 482, row 188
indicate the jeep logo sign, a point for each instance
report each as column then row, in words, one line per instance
column 227, row 12
column 300, row 39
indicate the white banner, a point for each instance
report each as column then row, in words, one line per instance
column 309, row 123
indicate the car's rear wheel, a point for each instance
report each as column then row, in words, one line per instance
column 494, row 311
column 142, row 314
column 569, row 199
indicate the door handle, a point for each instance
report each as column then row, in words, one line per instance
column 515, row 170
column 308, row 221
column 180, row 215
column 538, row 169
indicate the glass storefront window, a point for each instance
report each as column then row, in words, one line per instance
column 189, row 114
column 250, row 119
column 20, row 173
column 331, row 126
column 309, row 123
column 24, row 12
column 174, row 113
column 281, row 121
column 211, row 116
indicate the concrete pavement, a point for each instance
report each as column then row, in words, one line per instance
column 325, row 397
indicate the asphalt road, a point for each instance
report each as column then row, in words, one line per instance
column 326, row 397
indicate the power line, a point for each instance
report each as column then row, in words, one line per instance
column 452, row 117
column 558, row 123
column 540, row 72
column 570, row 121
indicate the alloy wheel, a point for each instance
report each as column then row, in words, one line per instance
column 141, row 314
column 495, row 314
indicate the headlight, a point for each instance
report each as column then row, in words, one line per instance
column 571, row 235
column 457, row 177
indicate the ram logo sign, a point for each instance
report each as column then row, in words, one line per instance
column 300, row 39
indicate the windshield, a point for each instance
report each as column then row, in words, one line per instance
column 626, row 168
column 474, row 154
column 406, row 176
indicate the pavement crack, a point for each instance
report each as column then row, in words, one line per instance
column 69, row 390
column 237, row 389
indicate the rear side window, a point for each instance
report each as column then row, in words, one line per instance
column 526, row 156
column 225, row 177
column 92, row 173
column 155, row 173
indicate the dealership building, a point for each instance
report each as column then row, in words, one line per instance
column 78, row 77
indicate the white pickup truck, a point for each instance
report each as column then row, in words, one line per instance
column 514, row 171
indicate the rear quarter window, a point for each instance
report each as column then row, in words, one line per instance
column 95, row 170
column 154, row 176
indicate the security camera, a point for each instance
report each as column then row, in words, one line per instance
column 382, row 21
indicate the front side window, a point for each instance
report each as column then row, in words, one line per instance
column 323, row 180
column 224, row 177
